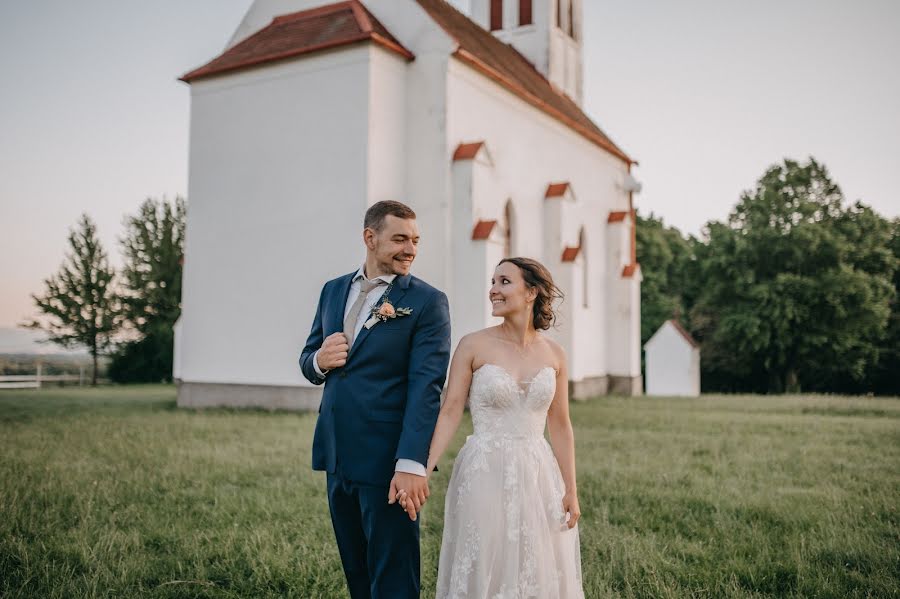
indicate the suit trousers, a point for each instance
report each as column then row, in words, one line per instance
column 378, row 543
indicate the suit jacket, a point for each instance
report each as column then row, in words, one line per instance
column 383, row 404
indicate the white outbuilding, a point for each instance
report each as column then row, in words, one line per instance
column 672, row 361
column 315, row 111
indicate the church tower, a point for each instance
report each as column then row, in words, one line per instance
column 547, row 32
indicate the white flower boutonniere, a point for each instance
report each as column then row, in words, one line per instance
column 385, row 311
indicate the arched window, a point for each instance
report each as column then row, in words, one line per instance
column 585, row 281
column 509, row 221
column 496, row 15
column 525, row 17
column 571, row 19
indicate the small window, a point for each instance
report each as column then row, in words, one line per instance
column 525, row 17
column 559, row 13
column 496, row 15
column 509, row 223
column 585, row 273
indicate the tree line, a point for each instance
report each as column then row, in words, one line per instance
column 129, row 314
column 796, row 291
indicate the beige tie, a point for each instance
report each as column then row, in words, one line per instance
column 350, row 321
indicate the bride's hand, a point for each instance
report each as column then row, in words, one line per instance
column 571, row 507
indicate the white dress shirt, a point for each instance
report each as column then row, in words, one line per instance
column 403, row 465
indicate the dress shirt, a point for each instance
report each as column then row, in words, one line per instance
column 403, row 465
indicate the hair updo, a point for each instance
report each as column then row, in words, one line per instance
column 538, row 277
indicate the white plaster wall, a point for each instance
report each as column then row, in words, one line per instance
column 530, row 150
column 277, row 188
column 427, row 167
column 387, row 127
column 672, row 364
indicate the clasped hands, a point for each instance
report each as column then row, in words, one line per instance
column 410, row 491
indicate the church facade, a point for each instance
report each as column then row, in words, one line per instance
column 315, row 111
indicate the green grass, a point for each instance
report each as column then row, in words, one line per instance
column 116, row 493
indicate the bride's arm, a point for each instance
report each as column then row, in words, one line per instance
column 562, row 438
column 454, row 403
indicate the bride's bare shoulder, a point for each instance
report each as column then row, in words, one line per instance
column 557, row 350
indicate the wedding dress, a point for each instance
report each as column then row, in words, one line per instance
column 505, row 535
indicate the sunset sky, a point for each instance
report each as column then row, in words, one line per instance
column 704, row 93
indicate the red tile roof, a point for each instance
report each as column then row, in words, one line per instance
column 301, row 33
column 483, row 229
column 616, row 217
column 467, row 151
column 556, row 190
column 504, row 64
column 570, row 253
column 629, row 269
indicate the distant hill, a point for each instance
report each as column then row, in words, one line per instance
column 25, row 341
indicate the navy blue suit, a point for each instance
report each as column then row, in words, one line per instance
column 380, row 407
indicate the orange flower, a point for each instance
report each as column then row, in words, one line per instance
column 386, row 310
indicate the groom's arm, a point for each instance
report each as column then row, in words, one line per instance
column 313, row 343
column 429, row 357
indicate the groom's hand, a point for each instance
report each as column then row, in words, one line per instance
column 415, row 489
column 333, row 353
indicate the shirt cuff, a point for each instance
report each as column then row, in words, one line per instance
column 316, row 365
column 410, row 467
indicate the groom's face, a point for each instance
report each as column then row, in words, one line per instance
column 394, row 247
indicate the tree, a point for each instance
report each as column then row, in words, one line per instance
column 665, row 258
column 80, row 303
column 153, row 247
column 794, row 286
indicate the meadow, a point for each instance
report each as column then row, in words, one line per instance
column 115, row 492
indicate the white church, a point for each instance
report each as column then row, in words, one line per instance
column 315, row 111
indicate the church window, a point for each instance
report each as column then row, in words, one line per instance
column 571, row 24
column 496, row 15
column 508, row 223
column 525, row 17
column 559, row 13
column 585, row 281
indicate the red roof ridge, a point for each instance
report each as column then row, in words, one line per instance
column 570, row 253
column 287, row 37
column 617, row 216
column 467, row 151
column 483, row 228
column 629, row 269
column 557, row 190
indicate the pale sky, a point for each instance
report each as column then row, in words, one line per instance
column 704, row 93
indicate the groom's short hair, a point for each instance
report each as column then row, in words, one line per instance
column 375, row 214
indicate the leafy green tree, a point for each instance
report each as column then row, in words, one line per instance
column 153, row 247
column 80, row 305
column 794, row 286
column 665, row 256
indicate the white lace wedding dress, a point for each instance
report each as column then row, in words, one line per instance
column 505, row 535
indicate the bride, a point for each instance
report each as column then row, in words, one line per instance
column 512, row 506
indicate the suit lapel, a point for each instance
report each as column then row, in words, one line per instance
column 337, row 323
column 398, row 290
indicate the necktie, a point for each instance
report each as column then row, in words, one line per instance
column 365, row 287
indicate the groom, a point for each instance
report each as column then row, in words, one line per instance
column 380, row 342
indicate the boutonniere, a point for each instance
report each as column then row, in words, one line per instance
column 385, row 311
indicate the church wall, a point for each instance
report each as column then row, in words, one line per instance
column 530, row 150
column 277, row 188
column 387, row 127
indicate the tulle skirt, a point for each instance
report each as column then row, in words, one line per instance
column 505, row 535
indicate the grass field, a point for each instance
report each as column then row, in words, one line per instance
column 116, row 493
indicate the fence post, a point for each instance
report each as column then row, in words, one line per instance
column 39, row 368
column 81, row 376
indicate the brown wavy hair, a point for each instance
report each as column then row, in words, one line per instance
column 536, row 275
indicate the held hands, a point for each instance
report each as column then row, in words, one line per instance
column 410, row 490
column 571, row 508
column 333, row 353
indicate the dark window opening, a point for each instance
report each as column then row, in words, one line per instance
column 525, row 17
column 496, row 15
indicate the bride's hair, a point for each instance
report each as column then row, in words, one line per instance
column 536, row 275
